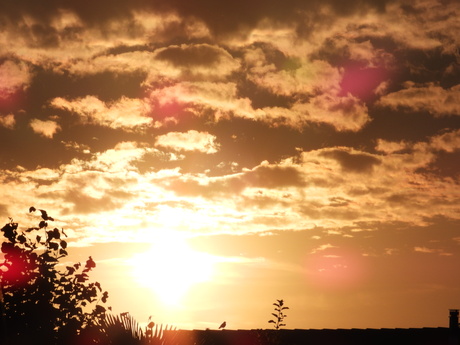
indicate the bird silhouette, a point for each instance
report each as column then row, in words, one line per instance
column 223, row 325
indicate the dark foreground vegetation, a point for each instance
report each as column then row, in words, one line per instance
column 46, row 302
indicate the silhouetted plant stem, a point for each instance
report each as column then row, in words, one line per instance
column 279, row 314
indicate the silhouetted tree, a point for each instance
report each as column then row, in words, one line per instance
column 279, row 314
column 43, row 300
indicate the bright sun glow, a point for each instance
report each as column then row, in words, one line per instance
column 171, row 267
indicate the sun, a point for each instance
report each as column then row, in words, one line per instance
column 171, row 267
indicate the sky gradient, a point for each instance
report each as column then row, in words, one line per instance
column 214, row 156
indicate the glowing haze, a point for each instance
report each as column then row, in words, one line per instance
column 214, row 156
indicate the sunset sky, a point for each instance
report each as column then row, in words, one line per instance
column 214, row 156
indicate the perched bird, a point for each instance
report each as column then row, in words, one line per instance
column 223, row 325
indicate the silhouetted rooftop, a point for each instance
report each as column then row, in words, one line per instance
column 353, row 336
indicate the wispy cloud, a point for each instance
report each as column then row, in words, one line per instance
column 431, row 98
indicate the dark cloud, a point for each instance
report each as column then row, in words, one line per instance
column 228, row 16
column 274, row 177
column 446, row 164
column 271, row 177
column 318, row 211
column 353, row 162
column 44, row 36
column 198, row 55
column 86, row 204
column 222, row 16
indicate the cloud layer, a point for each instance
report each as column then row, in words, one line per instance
column 324, row 133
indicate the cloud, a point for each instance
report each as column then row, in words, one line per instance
column 390, row 146
column 195, row 97
column 343, row 113
column 14, row 76
column 188, row 141
column 129, row 114
column 260, row 67
column 322, row 247
column 192, row 62
column 117, row 159
column 426, row 250
column 427, row 97
column 292, row 76
column 45, row 128
column 7, row 121
column 273, row 176
column 449, row 141
column 199, row 60
column 320, row 188
column 85, row 204
column 222, row 18
column 351, row 161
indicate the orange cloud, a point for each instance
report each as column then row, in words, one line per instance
column 7, row 121
column 431, row 98
column 14, row 76
column 45, row 128
column 188, row 141
column 126, row 113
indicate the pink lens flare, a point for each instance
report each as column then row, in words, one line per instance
column 362, row 81
column 336, row 269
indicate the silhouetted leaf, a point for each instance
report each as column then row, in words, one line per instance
column 32, row 209
column 99, row 309
column 54, row 245
column 9, row 231
column 90, row 263
column 7, row 247
column 42, row 224
column 63, row 244
column 21, row 239
column 44, row 214
column 31, row 229
column 56, row 233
